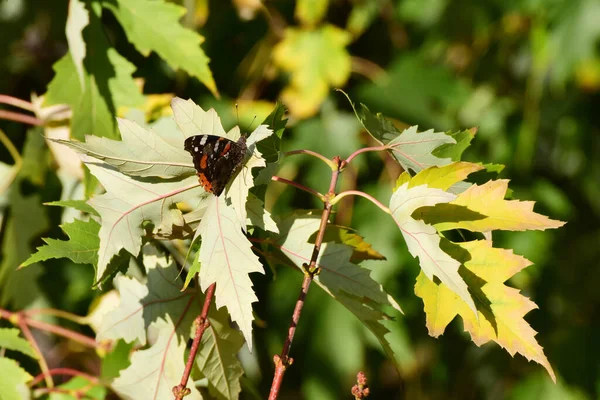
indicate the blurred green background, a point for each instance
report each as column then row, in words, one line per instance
column 525, row 72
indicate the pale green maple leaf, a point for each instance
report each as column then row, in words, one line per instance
column 141, row 151
column 142, row 304
column 227, row 259
column 258, row 216
column 413, row 150
column 128, row 203
column 11, row 379
column 217, row 356
column 156, row 370
column 346, row 282
column 423, row 240
column 155, row 26
column 10, row 340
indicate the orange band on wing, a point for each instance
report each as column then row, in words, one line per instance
column 226, row 149
column 203, row 161
column 204, row 182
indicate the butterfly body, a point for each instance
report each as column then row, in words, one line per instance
column 216, row 159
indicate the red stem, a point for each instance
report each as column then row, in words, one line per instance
column 13, row 101
column 314, row 154
column 364, row 150
column 299, row 186
column 202, row 322
column 284, row 360
column 15, row 116
column 64, row 371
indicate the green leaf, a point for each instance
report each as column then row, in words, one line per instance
column 316, row 60
column 423, row 240
column 78, row 387
column 310, row 12
column 258, row 216
column 227, row 259
column 81, row 248
column 80, row 205
column 454, row 151
column 27, row 221
column 116, row 360
column 10, row 339
column 77, row 20
column 12, row 378
column 362, row 250
column 346, row 282
column 107, row 81
column 128, row 203
column 217, row 356
column 155, row 26
column 156, row 370
column 145, row 303
column 412, row 149
column 141, row 152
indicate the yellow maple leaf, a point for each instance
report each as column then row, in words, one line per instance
column 491, row 211
column 500, row 308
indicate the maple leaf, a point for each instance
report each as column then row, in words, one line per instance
column 140, row 152
column 423, row 240
column 227, row 259
column 156, row 370
column 155, row 26
column 489, row 211
column 10, row 340
column 500, row 308
column 13, row 378
column 316, row 60
column 144, row 303
column 81, row 248
column 346, row 282
column 217, row 356
column 413, row 150
column 107, row 84
column 128, row 203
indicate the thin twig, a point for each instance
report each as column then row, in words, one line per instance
column 314, row 154
column 283, row 360
column 13, row 101
column 42, row 361
column 202, row 322
column 64, row 371
column 299, row 186
column 361, row 194
column 60, row 331
column 364, row 150
column 15, row 116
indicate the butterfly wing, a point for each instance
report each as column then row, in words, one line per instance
column 216, row 159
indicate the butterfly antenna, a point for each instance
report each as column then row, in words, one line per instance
column 249, row 126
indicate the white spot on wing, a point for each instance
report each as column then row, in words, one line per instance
column 216, row 146
column 203, row 140
column 196, row 149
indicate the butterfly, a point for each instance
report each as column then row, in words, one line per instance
column 216, row 159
